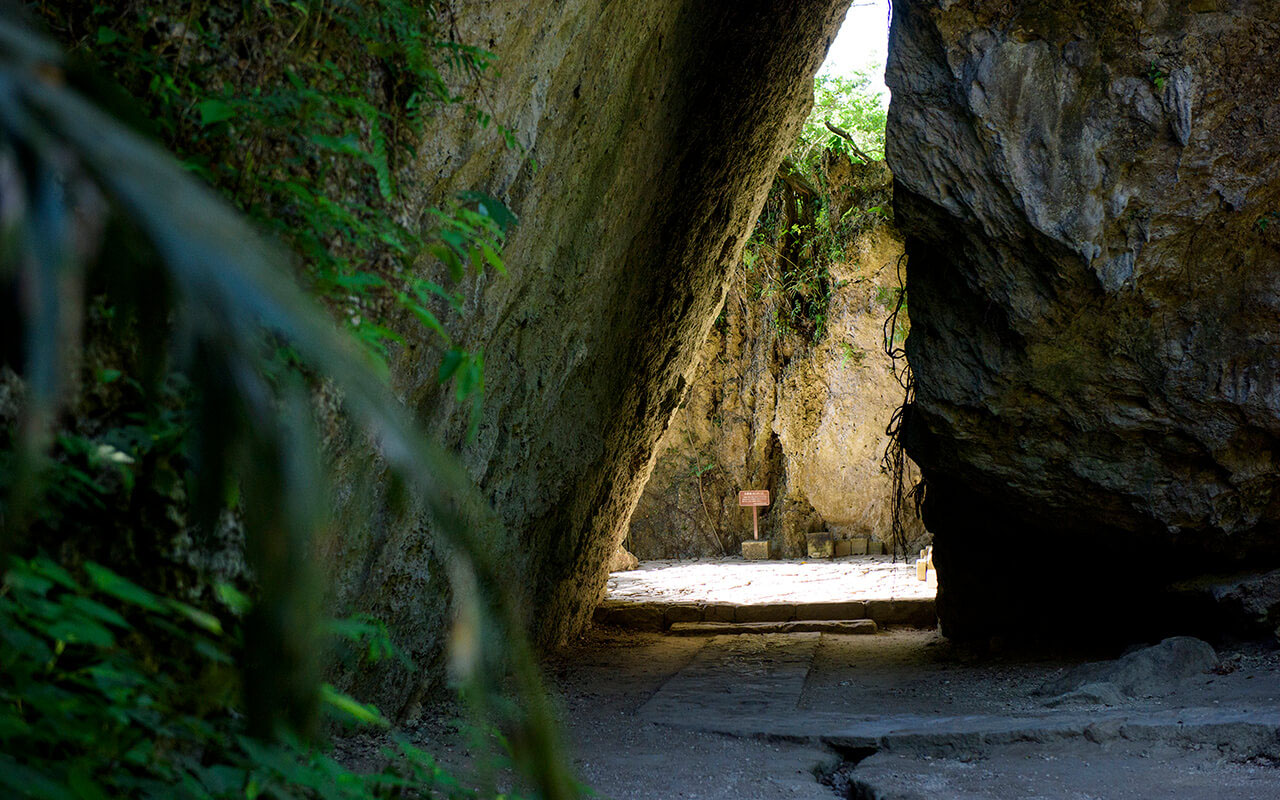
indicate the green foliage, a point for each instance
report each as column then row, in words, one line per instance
column 851, row 352
column 789, row 264
column 309, row 136
column 108, row 690
column 698, row 469
column 849, row 103
column 801, row 232
column 887, row 296
column 138, row 458
column 1157, row 76
column 203, row 285
column 894, row 298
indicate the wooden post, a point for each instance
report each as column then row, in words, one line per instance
column 754, row 498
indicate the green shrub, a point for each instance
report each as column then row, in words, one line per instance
column 308, row 135
column 108, row 690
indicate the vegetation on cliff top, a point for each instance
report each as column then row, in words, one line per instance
column 807, row 222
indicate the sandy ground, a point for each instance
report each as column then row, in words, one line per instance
column 733, row 580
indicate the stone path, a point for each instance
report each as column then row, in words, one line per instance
column 733, row 580
column 751, row 687
column 736, row 684
column 849, row 627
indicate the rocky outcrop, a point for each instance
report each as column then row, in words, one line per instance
column 622, row 561
column 653, row 130
column 771, row 408
column 1091, row 197
column 1145, row 672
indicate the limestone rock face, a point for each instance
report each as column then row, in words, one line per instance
column 654, row 130
column 622, row 561
column 1090, row 194
column 768, row 408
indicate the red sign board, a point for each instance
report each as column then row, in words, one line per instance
column 754, row 497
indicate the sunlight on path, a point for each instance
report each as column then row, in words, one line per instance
column 732, row 580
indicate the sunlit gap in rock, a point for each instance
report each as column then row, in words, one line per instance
column 787, row 410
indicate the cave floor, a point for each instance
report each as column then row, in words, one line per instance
column 734, row 580
column 900, row 714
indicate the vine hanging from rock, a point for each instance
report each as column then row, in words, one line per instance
column 903, row 500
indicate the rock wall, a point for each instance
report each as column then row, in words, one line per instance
column 768, row 408
column 654, row 130
column 1091, row 197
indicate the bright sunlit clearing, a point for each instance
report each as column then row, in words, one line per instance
column 862, row 44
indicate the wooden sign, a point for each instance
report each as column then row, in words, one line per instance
column 754, row 498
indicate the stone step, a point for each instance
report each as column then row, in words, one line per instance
column 650, row 616
column 844, row 626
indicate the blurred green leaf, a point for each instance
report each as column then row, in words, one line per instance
column 201, row 619
column 213, row 111
column 453, row 359
column 233, row 598
column 351, row 708
column 122, row 589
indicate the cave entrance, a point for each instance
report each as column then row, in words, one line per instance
column 796, row 385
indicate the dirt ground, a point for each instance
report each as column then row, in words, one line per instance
column 901, row 714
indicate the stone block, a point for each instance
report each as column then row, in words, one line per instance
column 858, row 545
column 843, row 610
column 755, row 549
column 922, row 569
column 875, row 547
column 636, row 616
column 845, row 627
column 719, row 612
column 684, row 612
column 843, row 548
column 820, row 545
column 765, row 612
column 914, row 612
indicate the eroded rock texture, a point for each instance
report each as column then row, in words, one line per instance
column 775, row 405
column 656, row 128
column 1090, row 192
